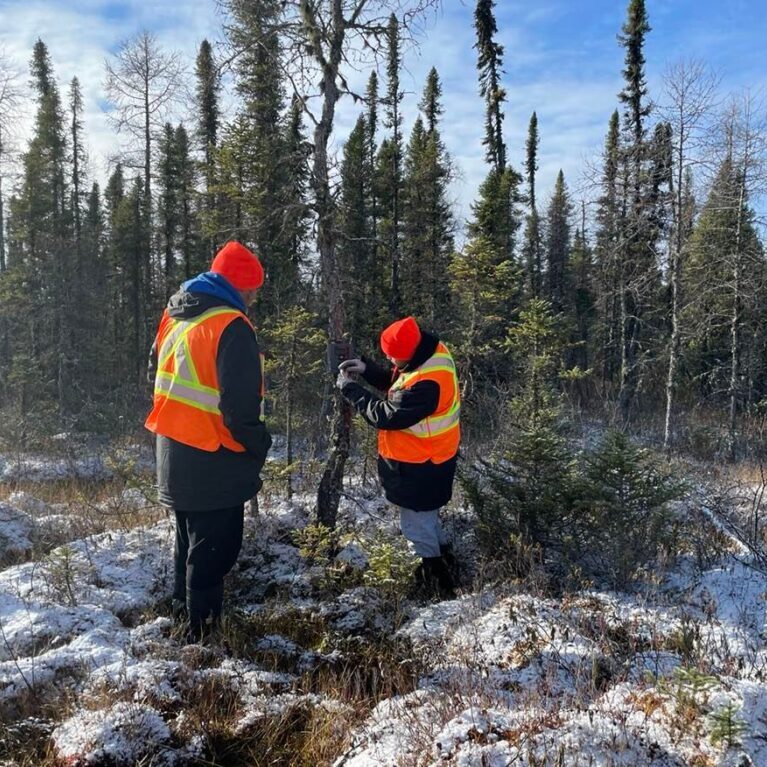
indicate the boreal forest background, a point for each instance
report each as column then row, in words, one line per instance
column 639, row 302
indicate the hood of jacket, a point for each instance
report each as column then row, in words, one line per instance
column 201, row 293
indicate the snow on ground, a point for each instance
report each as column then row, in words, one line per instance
column 91, row 460
column 512, row 677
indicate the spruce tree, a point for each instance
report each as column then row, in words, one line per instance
column 427, row 221
column 390, row 225
column 638, row 266
column 531, row 249
column 78, row 160
column 558, row 245
column 727, row 278
column 371, row 122
column 167, row 206
column 354, row 249
column 208, row 120
column 607, row 257
column 489, row 64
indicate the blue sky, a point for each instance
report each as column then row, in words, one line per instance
column 561, row 59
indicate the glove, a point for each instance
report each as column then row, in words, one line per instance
column 343, row 379
column 352, row 366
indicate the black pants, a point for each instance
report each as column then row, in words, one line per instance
column 207, row 545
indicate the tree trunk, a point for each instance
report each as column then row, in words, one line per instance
column 735, row 329
column 331, row 484
column 675, row 278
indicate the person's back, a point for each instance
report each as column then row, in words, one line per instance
column 211, row 439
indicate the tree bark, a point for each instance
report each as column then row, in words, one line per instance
column 331, row 484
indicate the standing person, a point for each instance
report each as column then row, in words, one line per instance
column 418, row 436
column 211, row 438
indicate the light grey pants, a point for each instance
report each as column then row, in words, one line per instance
column 423, row 530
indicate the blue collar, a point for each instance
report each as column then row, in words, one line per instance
column 213, row 284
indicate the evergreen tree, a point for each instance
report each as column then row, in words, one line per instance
column 168, row 206
column 583, row 300
column 208, row 120
column 608, row 274
column 42, row 240
column 294, row 229
column 392, row 182
column 260, row 140
column 371, row 122
column 427, row 220
column 78, row 160
column 354, row 251
column 531, row 249
column 638, row 267
column 192, row 256
column 558, row 245
column 489, row 64
column 727, row 278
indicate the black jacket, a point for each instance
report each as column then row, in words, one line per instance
column 189, row 479
column 418, row 486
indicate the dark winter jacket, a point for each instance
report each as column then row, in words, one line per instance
column 418, row 486
column 189, row 479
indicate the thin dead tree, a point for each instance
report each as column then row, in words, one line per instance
column 143, row 83
column 746, row 132
column 690, row 91
column 10, row 96
column 324, row 42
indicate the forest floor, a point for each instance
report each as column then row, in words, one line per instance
column 320, row 663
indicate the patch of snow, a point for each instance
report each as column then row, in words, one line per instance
column 17, row 530
column 121, row 735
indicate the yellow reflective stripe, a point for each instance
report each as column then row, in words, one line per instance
column 433, row 427
column 185, row 353
column 435, row 363
column 183, row 327
column 201, row 397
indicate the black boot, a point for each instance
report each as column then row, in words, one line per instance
column 204, row 608
column 446, row 550
column 433, row 579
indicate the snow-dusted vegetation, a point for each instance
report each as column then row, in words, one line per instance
column 324, row 658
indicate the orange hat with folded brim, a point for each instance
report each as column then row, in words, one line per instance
column 239, row 266
column 400, row 340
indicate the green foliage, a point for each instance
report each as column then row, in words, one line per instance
column 391, row 565
column 427, row 222
column 726, row 726
column 485, row 289
column 294, row 368
column 626, row 521
column 316, row 543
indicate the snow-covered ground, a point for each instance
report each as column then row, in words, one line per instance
column 674, row 676
column 81, row 459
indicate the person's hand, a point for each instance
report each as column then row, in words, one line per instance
column 343, row 379
column 352, row 366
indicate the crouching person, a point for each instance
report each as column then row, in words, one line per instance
column 418, row 436
column 211, row 438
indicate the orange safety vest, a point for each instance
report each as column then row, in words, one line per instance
column 186, row 389
column 436, row 437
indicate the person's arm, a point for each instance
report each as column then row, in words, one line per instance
column 239, row 378
column 403, row 408
column 377, row 376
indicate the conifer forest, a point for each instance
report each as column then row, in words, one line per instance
column 608, row 536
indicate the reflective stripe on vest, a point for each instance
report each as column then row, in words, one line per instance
column 436, row 437
column 183, row 385
column 433, row 426
column 186, row 392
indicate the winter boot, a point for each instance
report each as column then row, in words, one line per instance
column 204, row 608
column 446, row 550
column 433, row 579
